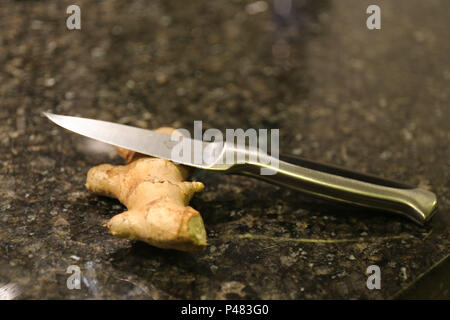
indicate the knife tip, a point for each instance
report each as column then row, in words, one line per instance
column 49, row 115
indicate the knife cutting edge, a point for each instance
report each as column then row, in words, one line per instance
column 313, row 178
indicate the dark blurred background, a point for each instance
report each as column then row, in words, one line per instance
column 375, row 101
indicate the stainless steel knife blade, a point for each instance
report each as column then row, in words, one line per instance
column 142, row 140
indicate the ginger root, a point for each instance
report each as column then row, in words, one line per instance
column 157, row 198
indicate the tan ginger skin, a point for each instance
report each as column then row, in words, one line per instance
column 157, row 196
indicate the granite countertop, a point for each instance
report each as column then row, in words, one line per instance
column 373, row 101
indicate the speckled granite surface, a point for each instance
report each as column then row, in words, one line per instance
column 373, row 101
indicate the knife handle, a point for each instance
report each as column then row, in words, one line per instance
column 332, row 182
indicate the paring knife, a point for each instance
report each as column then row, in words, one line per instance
column 313, row 178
